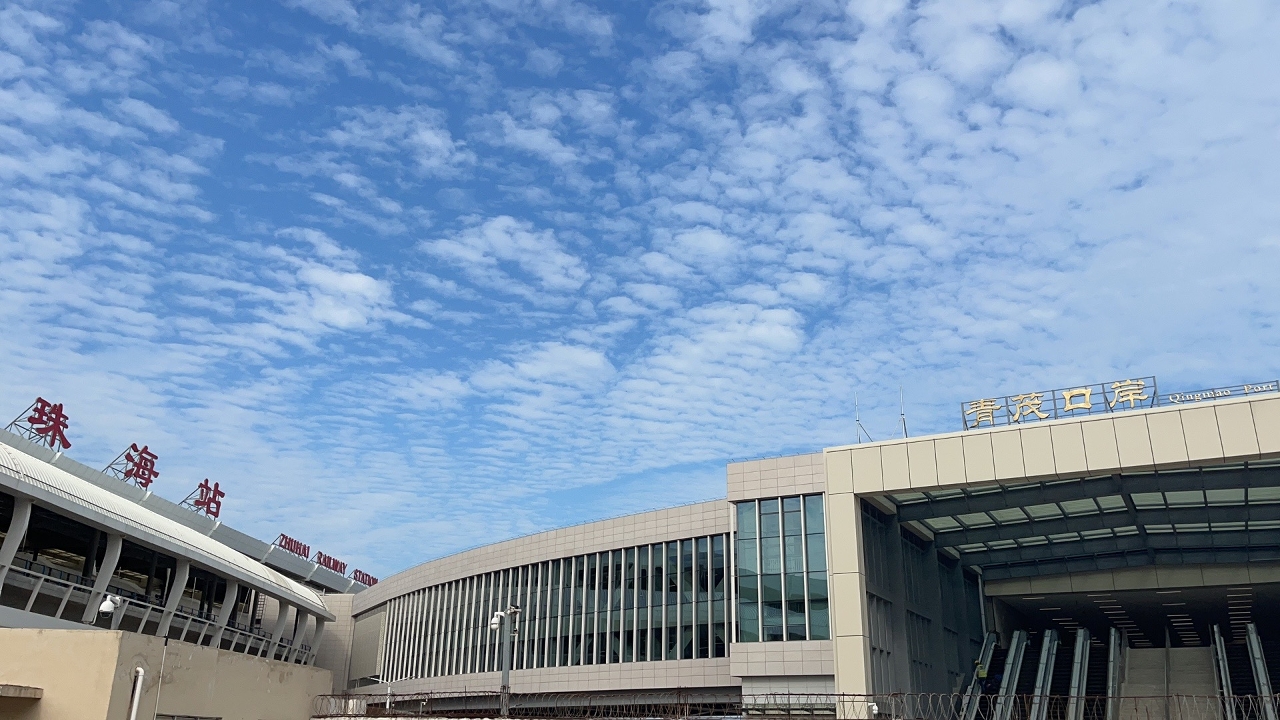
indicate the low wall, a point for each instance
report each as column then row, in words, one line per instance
column 88, row 675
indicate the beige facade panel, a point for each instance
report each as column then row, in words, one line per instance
column 1200, row 430
column 852, row 588
column 1037, row 452
column 1266, row 423
column 1101, row 454
column 842, row 534
column 979, row 463
column 853, row 659
column 949, row 453
column 840, row 472
column 868, row 472
column 1133, row 442
column 1006, row 454
column 1168, row 444
column 1222, row 431
column 665, row 674
column 770, row 477
column 368, row 632
column 797, row 658
column 922, row 464
column 895, row 466
column 1235, row 428
column 88, row 675
column 335, row 645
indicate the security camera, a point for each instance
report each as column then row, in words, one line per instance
column 496, row 621
column 872, row 709
column 110, row 603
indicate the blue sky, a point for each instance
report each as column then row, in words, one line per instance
column 409, row 277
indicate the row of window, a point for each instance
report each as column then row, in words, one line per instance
column 781, row 564
column 665, row 601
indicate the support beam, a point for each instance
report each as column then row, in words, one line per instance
column 224, row 614
column 1225, row 539
column 282, row 620
column 1261, row 678
column 983, row 500
column 103, row 578
column 1012, row 669
column 1079, row 676
column 315, row 641
column 176, row 589
column 1130, row 559
column 1109, row 520
column 1044, row 676
column 14, row 535
column 299, row 634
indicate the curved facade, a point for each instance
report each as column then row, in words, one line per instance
column 881, row 569
column 603, row 604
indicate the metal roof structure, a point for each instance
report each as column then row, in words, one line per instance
column 1213, row 514
column 57, row 489
column 266, row 553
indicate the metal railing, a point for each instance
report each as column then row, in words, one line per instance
column 677, row 705
column 52, row 592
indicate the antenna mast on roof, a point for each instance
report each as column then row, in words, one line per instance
column 902, row 412
column 857, row 419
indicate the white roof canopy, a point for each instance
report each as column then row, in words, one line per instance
column 59, row 490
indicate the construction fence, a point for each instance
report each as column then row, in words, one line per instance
column 678, row 705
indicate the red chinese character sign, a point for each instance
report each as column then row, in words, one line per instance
column 44, row 423
column 136, row 465
column 205, row 499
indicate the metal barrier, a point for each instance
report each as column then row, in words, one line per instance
column 39, row 589
column 678, row 705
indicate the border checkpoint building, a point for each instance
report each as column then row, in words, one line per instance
column 1103, row 551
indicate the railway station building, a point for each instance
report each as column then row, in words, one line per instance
column 1099, row 552
column 1128, row 551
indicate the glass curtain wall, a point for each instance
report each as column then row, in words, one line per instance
column 664, row 601
column 781, row 570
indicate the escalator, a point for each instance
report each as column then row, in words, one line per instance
column 1271, row 651
column 1243, row 686
column 1243, row 677
column 1026, row 684
column 984, row 701
column 1061, row 683
column 1095, row 688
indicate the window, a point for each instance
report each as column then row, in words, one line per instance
column 664, row 601
column 781, row 570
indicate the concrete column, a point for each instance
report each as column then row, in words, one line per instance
column 224, row 614
column 299, row 634
column 934, row 610
column 103, row 578
column 14, row 535
column 282, row 621
column 901, row 648
column 175, row 595
column 315, row 640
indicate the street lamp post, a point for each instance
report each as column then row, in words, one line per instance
column 503, row 622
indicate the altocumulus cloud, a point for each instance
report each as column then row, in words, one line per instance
column 406, row 277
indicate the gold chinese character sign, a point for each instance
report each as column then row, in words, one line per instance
column 1064, row 403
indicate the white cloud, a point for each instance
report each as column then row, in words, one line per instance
column 419, row 132
column 544, row 61
column 146, row 115
column 1042, row 82
column 490, row 254
column 482, row 258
